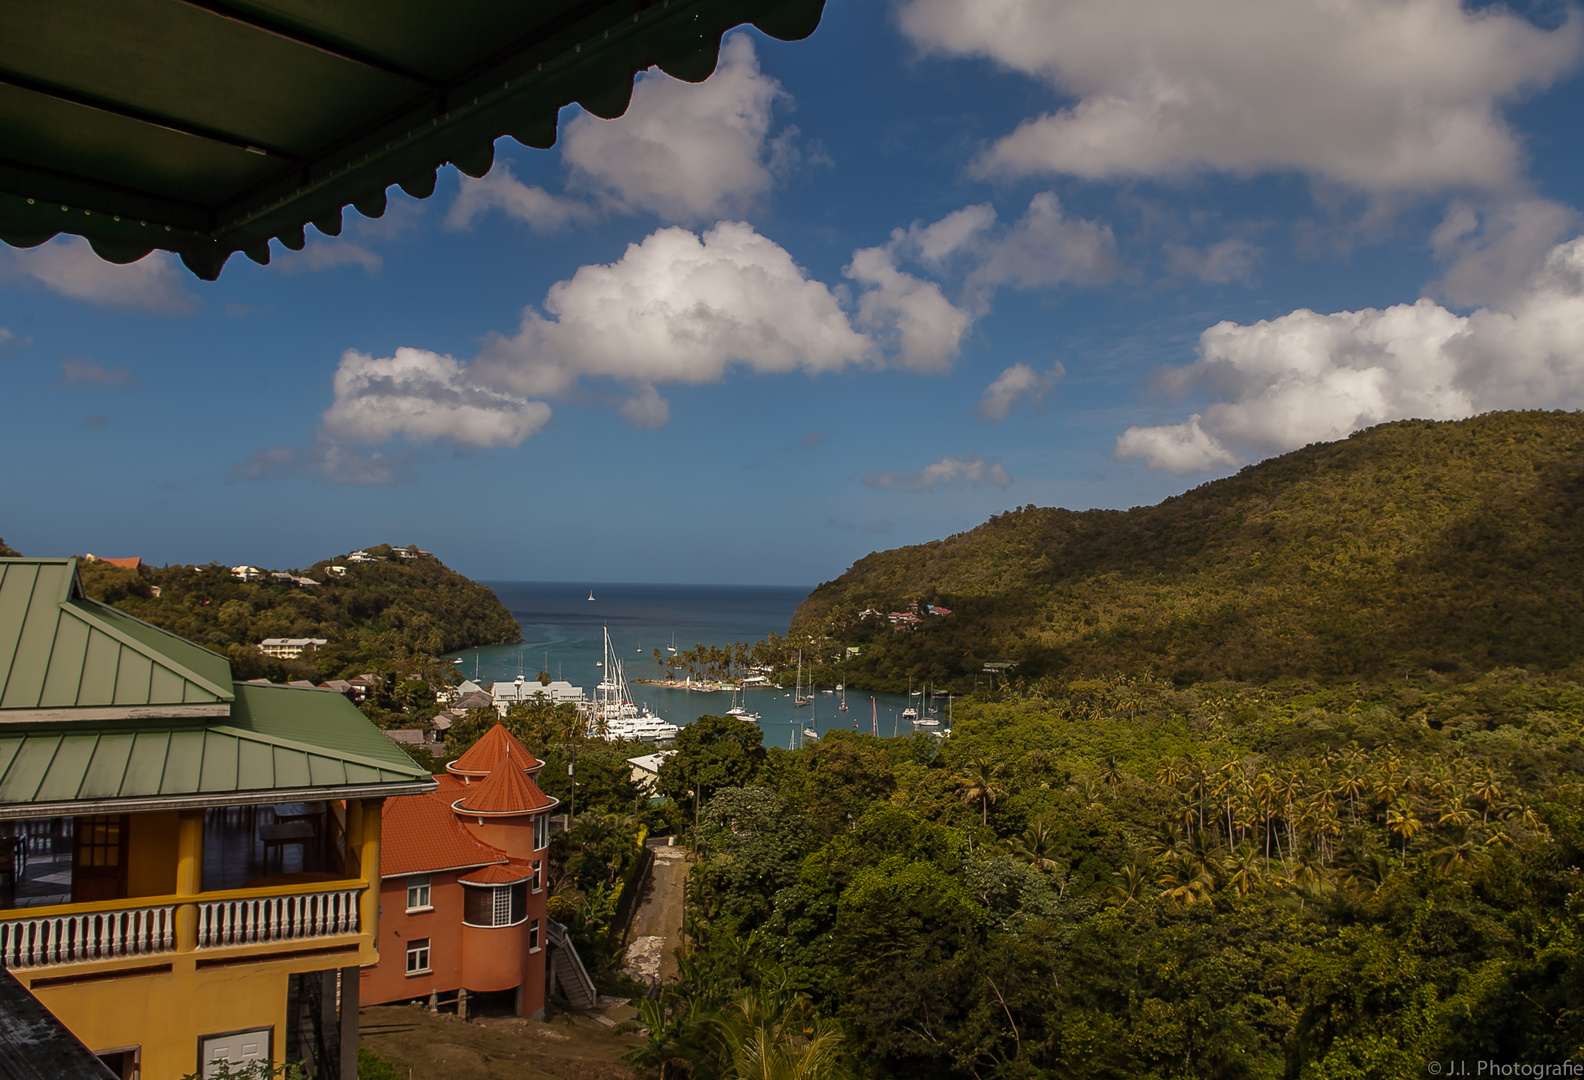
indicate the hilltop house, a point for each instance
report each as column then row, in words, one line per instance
column 290, row 648
column 525, row 691
column 189, row 866
column 463, row 885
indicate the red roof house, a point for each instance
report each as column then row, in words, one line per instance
column 462, row 882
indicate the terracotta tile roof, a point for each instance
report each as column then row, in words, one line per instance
column 507, row 790
column 496, row 745
column 419, row 834
column 499, row 875
column 451, row 788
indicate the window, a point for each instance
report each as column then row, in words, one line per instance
column 418, row 956
column 534, row 882
column 418, row 893
column 533, row 936
column 495, row 905
column 541, row 831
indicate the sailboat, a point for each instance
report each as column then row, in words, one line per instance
column 910, row 713
column 809, row 730
column 874, row 718
column 798, row 699
column 612, row 714
column 928, row 719
column 740, row 709
column 591, row 594
column 672, row 647
column 843, row 689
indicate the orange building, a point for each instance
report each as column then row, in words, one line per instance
column 462, row 873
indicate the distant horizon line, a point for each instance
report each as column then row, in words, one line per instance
column 584, row 583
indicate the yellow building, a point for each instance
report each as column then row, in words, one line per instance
column 189, row 866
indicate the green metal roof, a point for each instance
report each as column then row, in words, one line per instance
column 280, row 744
column 207, row 127
column 66, row 657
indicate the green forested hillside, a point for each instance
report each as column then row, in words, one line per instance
column 1411, row 546
column 379, row 615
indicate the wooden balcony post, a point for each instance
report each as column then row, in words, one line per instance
column 189, row 876
column 369, row 870
column 354, row 838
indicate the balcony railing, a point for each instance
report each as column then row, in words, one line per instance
column 152, row 926
column 248, row 920
column 76, row 937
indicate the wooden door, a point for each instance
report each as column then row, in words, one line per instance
column 99, row 857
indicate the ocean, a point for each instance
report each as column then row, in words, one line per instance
column 563, row 634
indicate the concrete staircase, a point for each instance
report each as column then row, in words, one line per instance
column 568, row 971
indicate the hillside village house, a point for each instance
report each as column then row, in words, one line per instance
column 463, row 886
column 189, row 866
column 290, row 648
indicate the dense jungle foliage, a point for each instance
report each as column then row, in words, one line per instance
column 1412, row 546
column 390, row 617
column 1129, row 879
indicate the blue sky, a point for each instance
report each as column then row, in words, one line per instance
column 943, row 258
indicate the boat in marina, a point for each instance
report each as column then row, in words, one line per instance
column 739, row 709
column 798, row 699
column 613, row 715
column 843, row 689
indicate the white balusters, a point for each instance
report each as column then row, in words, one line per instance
column 90, row 935
column 146, row 930
column 299, row 917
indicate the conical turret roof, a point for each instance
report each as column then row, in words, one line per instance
column 506, row 791
column 496, row 746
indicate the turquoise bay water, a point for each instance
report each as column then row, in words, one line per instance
column 562, row 633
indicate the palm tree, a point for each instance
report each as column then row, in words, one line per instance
column 1401, row 820
column 1488, row 792
column 1350, row 787
column 980, row 784
column 1128, row 886
column 1243, row 869
column 1456, row 815
column 1038, row 845
column 770, row 1035
column 672, row 1043
column 1457, row 855
column 1185, row 884
column 1111, row 775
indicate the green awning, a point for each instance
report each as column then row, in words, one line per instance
column 280, row 744
column 206, row 127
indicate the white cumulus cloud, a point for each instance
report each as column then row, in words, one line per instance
column 532, row 205
column 683, row 151
column 424, row 396
column 67, row 265
column 679, row 308
column 968, row 471
column 1015, row 385
column 1490, row 256
column 1306, row 376
column 1046, row 248
column 910, row 312
column 1378, row 95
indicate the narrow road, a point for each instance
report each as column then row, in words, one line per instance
column 656, row 930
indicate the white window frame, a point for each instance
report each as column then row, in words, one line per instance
column 541, row 831
column 536, row 883
column 419, row 948
column 419, row 885
column 534, row 942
